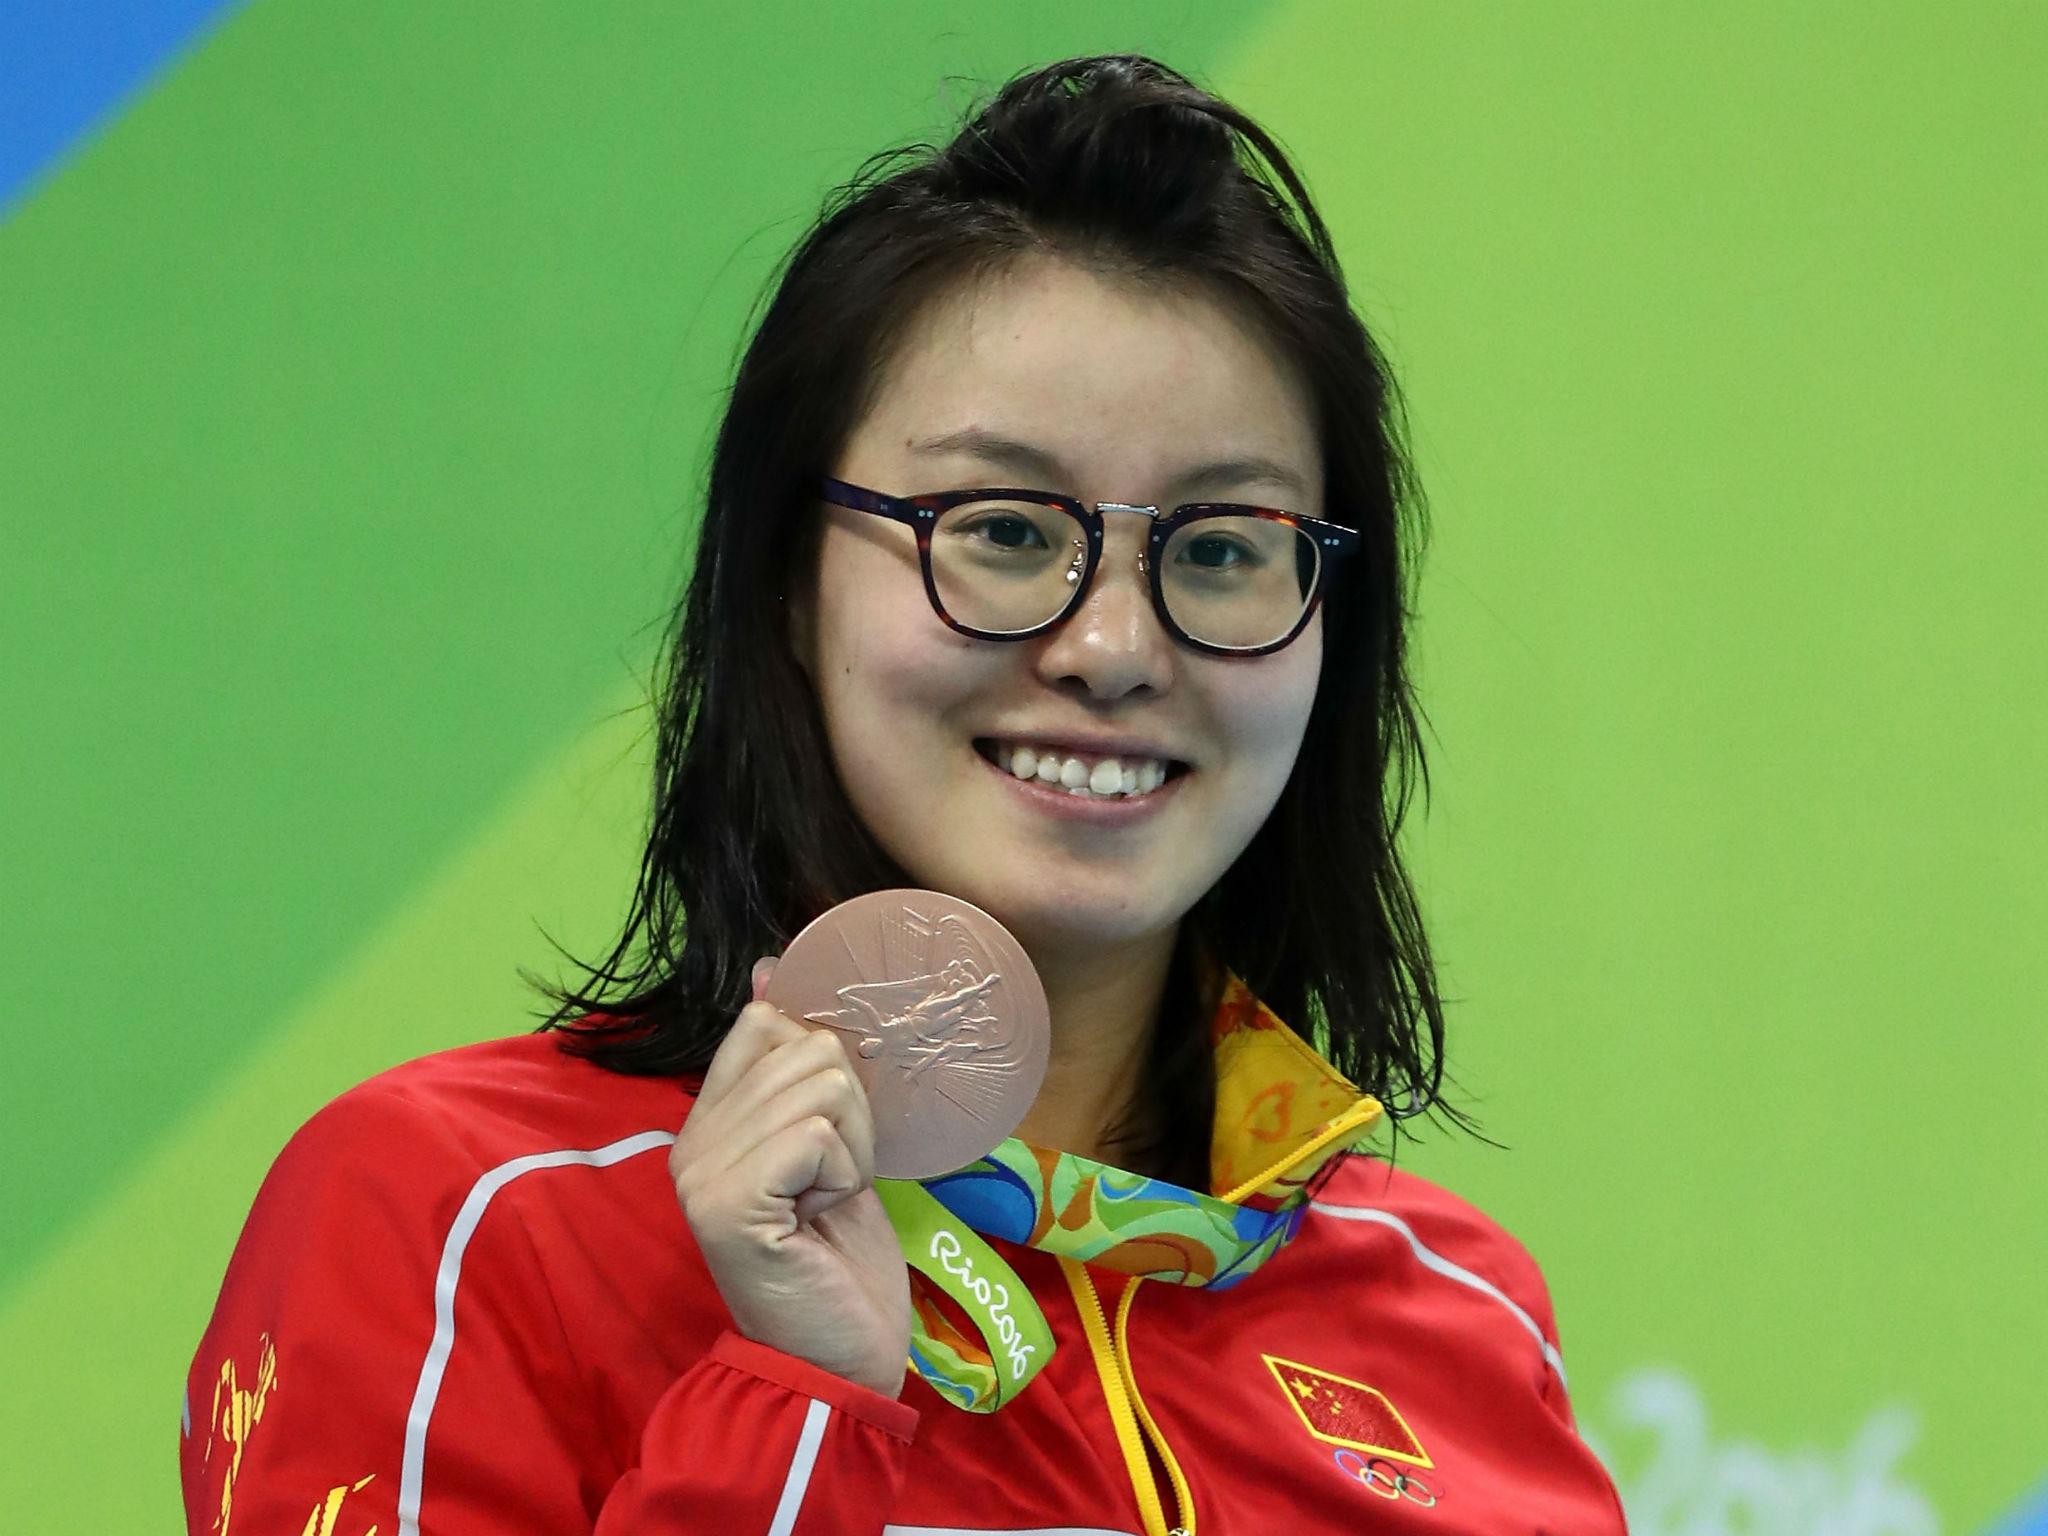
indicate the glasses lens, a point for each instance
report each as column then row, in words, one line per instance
column 1238, row 582
column 1006, row 566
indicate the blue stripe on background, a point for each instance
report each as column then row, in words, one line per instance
column 66, row 65
column 2030, row 1519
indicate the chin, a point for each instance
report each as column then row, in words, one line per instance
column 1058, row 918
column 1056, row 900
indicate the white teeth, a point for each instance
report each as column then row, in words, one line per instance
column 1107, row 777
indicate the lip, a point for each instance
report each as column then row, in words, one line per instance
column 1088, row 810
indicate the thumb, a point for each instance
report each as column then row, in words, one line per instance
column 764, row 968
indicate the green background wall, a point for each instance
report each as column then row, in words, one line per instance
column 357, row 370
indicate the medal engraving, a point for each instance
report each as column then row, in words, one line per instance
column 943, row 1016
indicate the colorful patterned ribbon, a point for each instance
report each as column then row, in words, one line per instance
column 942, row 1251
column 1282, row 1114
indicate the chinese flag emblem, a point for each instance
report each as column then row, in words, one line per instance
column 1340, row 1411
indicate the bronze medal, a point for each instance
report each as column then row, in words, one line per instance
column 942, row 1015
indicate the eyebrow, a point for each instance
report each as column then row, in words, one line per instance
column 1042, row 465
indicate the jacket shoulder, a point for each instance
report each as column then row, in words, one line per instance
column 501, row 1098
column 420, row 1136
column 363, row 1196
column 1446, row 1234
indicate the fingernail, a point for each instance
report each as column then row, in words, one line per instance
column 763, row 969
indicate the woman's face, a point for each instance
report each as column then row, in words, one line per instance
column 1116, row 393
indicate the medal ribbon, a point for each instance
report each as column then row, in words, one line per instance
column 1076, row 1208
column 1283, row 1115
column 1016, row 1340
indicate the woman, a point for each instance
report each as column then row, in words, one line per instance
column 1053, row 559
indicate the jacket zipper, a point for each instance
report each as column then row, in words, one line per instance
column 1184, row 1503
column 1112, row 1352
column 1127, row 1409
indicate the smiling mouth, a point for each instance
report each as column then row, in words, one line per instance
column 1091, row 775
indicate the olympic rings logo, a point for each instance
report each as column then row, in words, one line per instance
column 1385, row 1479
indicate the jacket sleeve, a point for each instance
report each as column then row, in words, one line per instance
column 322, row 1402
column 1574, row 1461
column 1522, row 1282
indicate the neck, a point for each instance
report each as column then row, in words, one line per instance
column 1104, row 1004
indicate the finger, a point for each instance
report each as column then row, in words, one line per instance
column 830, row 1090
column 759, row 1029
column 812, row 1051
column 857, row 1123
column 805, row 1161
column 821, row 1201
column 720, row 1130
column 764, row 970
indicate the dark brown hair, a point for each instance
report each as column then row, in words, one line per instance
column 1122, row 164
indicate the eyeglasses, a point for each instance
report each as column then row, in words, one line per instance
column 1009, row 564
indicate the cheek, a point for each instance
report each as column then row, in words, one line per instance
column 860, row 634
column 889, row 675
column 1266, row 710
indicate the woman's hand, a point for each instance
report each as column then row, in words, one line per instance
column 775, row 1169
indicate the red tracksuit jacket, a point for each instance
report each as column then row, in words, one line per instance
column 466, row 1302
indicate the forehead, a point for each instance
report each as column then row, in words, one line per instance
column 1121, row 384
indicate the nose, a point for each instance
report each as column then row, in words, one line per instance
column 1113, row 645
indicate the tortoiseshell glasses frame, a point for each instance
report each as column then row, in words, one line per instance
column 1331, row 542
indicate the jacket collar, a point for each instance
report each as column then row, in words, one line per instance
column 1282, row 1111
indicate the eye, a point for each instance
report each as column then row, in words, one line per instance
column 1006, row 530
column 1218, row 552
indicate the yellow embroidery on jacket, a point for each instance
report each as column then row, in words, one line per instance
column 321, row 1521
column 1340, row 1411
column 235, row 1413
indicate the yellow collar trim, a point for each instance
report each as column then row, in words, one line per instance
column 1282, row 1111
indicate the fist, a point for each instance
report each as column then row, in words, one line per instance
column 775, row 1172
